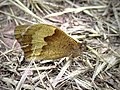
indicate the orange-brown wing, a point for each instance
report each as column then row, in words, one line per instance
column 60, row 45
column 42, row 41
column 32, row 37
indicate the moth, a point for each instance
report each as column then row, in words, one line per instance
column 43, row 41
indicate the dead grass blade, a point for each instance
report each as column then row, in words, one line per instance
column 59, row 76
column 75, row 10
column 25, row 9
column 19, row 18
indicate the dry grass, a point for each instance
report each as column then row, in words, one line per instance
column 95, row 21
